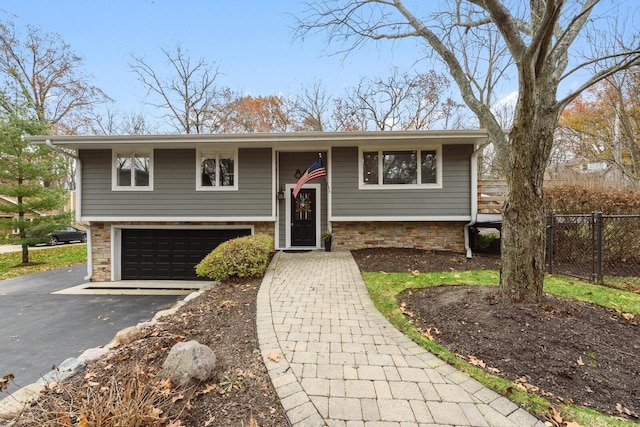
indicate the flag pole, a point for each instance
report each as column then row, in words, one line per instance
column 326, row 179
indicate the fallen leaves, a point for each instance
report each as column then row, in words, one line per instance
column 556, row 419
column 481, row 364
column 626, row 411
column 403, row 309
column 4, row 381
column 427, row 333
column 629, row 317
column 207, row 389
column 153, row 415
column 524, row 384
column 476, row 362
column 165, row 386
column 274, row 357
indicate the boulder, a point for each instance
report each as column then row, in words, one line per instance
column 188, row 360
column 127, row 335
column 68, row 368
column 92, row 354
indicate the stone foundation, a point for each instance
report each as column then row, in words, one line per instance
column 101, row 241
column 445, row 236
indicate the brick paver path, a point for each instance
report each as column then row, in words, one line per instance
column 334, row 360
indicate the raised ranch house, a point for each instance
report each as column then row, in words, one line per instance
column 155, row 205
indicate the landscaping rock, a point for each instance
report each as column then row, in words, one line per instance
column 167, row 312
column 188, row 360
column 66, row 369
column 191, row 296
column 12, row 406
column 92, row 354
column 127, row 335
column 148, row 324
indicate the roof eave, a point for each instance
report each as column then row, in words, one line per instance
column 473, row 136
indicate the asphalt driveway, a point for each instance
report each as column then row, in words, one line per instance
column 39, row 330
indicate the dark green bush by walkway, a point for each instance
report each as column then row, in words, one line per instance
column 242, row 257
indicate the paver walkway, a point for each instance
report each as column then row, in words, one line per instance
column 334, row 360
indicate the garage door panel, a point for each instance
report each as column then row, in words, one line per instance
column 155, row 254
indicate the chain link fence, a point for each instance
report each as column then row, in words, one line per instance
column 597, row 247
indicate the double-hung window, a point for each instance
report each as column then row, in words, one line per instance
column 132, row 170
column 216, row 170
column 400, row 168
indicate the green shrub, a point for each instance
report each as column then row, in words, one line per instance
column 242, row 257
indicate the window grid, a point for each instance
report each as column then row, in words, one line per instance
column 132, row 171
column 399, row 168
column 216, row 170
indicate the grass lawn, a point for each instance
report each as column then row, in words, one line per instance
column 41, row 260
column 385, row 287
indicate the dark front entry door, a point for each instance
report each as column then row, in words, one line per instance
column 303, row 218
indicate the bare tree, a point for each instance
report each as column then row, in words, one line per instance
column 115, row 122
column 399, row 101
column 311, row 108
column 40, row 72
column 542, row 40
column 187, row 94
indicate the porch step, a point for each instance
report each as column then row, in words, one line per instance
column 138, row 287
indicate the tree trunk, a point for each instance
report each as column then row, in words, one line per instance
column 523, row 242
column 25, row 253
column 523, row 239
column 21, row 214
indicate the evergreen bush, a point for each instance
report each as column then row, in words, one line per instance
column 246, row 256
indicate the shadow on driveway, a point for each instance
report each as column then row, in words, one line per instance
column 39, row 330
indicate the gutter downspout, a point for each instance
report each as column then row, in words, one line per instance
column 474, row 199
column 78, row 204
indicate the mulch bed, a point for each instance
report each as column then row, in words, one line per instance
column 400, row 260
column 565, row 350
column 240, row 394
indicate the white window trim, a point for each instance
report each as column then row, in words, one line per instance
column 216, row 153
column 380, row 186
column 114, row 170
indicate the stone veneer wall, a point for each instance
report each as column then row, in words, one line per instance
column 101, row 241
column 446, row 236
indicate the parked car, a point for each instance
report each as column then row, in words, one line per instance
column 66, row 235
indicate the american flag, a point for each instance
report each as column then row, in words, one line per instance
column 316, row 170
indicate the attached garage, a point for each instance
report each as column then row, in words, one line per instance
column 169, row 254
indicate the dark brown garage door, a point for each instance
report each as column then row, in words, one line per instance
column 156, row 254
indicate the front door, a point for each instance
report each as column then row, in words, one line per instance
column 303, row 218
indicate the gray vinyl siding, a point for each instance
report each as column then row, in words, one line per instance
column 290, row 162
column 452, row 199
column 174, row 189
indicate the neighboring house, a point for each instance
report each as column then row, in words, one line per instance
column 155, row 205
column 30, row 215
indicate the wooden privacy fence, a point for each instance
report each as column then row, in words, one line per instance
column 491, row 196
